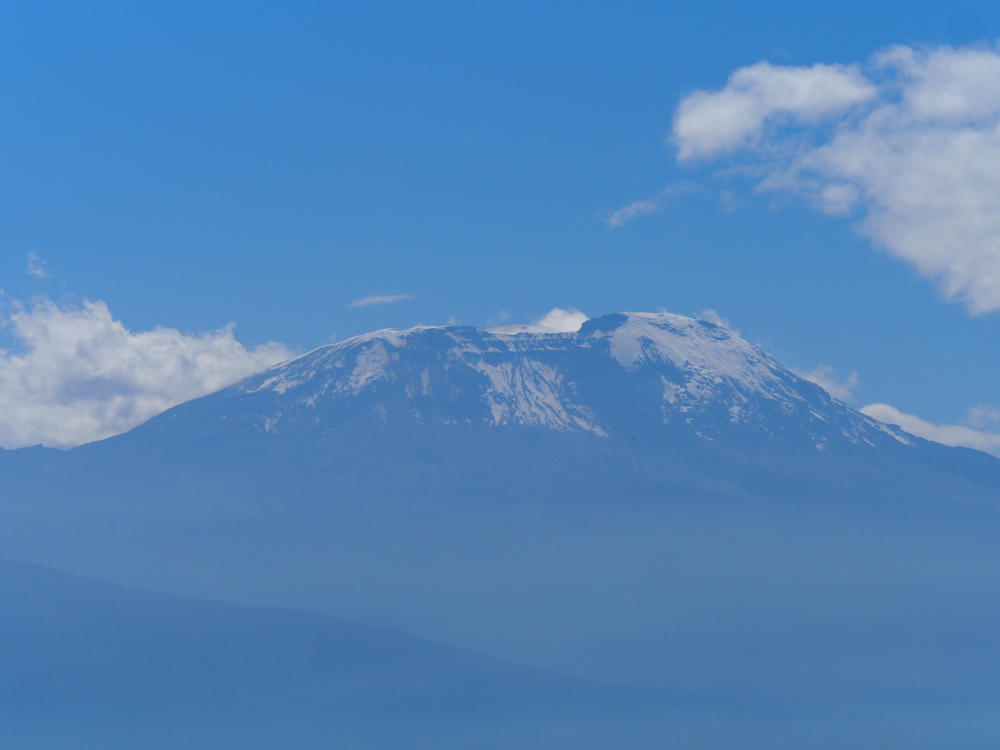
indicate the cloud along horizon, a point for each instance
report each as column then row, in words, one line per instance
column 80, row 375
column 955, row 435
column 907, row 145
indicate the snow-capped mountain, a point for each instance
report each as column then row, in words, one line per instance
column 643, row 500
column 659, row 375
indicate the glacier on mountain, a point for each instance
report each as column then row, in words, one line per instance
column 672, row 370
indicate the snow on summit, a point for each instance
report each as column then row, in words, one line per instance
column 633, row 373
column 709, row 350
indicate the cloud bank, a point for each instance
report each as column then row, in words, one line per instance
column 908, row 144
column 379, row 299
column 80, row 375
column 951, row 434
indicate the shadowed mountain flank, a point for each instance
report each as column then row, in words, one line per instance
column 84, row 661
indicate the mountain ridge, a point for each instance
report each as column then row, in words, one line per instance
column 653, row 367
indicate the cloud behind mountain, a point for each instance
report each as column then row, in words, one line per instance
column 78, row 375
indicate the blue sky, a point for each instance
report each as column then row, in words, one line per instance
column 196, row 164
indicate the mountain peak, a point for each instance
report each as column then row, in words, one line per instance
column 661, row 375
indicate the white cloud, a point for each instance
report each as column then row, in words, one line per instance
column 951, row 434
column 556, row 320
column 826, row 378
column 634, row 210
column 379, row 299
column 36, row 266
column 709, row 123
column 912, row 150
column 80, row 375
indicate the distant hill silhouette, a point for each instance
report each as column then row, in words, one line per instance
column 90, row 664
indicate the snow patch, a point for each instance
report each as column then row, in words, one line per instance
column 712, row 355
column 710, row 379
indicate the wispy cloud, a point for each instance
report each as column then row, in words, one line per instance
column 947, row 434
column 80, row 375
column 380, row 299
column 713, row 317
column 826, row 378
column 634, row 210
column 624, row 215
column 36, row 266
column 909, row 144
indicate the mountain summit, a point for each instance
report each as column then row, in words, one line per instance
column 664, row 377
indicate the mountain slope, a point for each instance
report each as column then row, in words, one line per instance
column 679, row 401
column 652, row 373
column 649, row 500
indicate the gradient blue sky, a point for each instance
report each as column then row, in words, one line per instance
column 192, row 164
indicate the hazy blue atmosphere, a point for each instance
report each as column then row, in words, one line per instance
column 442, row 375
